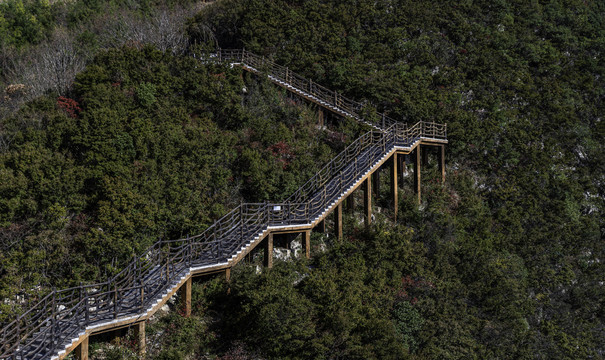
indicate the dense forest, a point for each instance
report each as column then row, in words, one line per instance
column 135, row 139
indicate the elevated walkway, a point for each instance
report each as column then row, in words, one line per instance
column 64, row 319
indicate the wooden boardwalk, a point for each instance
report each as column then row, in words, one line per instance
column 64, row 320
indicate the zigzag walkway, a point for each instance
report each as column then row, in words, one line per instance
column 62, row 320
column 302, row 87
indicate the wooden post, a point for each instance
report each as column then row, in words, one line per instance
column 442, row 163
column 139, row 335
column 417, row 174
column 269, row 251
column 367, row 200
column 338, row 222
column 321, row 114
column 186, row 297
column 321, row 227
column 228, row 274
column 306, row 243
column 82, row 350
column 401, row 167
column 394, row 184
column 115, row 301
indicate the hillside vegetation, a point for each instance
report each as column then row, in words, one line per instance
column 503, row 261
column 148, row 145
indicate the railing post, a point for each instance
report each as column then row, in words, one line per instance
column 214, row 231
column 53, row 325
column 18, row 348
column 310, row 87
column 190, row 241
column 289, row 214
column 241, row 219
column 115, row 301
column 81, row 297
column 168, row 269
column 142, row 294
column 307, row 215
column 218, row 244
column 161, row 251
column 86, row 311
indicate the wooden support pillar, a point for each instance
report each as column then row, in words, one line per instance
column 321, row 116
column 82, row 349
column 228, row 279
column 269, row 251
column 367, row 200
column 425, row 156
column 338, row 222
column 321, row 227
column 394, row 184
column 306, row 243
column 351, row 201
column 442, row 162
column 417, row 173
column 185, row 293
column 401, row 167
column 139, row 335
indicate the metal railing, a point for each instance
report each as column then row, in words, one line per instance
column 307, row 87
column 51, row 323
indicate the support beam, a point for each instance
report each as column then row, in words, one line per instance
column 442, row 162
column 322, row 116
column 401, row 167
column 417, row 174
column 139, row 335
column 306, row 243
column 185, row 293
column 338, row 222
column 269, row 251
column 367, row 200
column 228, row 274
column 228, row 279
column 82, row 350
column 394, row 184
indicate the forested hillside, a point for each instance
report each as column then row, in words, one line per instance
column 147, row 146
column 513, row 245
column 503, row 261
